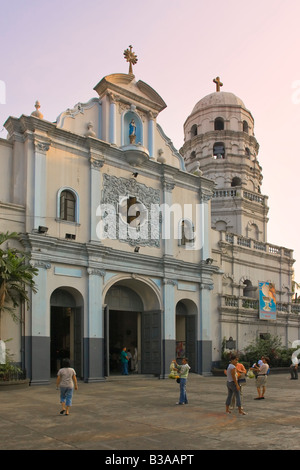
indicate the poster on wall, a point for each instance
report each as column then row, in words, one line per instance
column 267, row 301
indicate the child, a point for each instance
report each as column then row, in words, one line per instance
column 66, row 379
column 173, row 370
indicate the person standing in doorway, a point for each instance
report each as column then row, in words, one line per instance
column 67, row 381
column 124, row 362
column 129, row 355
column 183, row 371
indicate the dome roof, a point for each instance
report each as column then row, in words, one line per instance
column 218, row 98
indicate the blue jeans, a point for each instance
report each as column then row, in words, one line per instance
column 125, row 368
column 183, row 396
column 66, row 395
column 233, row 390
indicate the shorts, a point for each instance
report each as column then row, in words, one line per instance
column 261, row 380
column 66, row 395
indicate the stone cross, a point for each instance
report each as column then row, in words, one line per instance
column 218, row 83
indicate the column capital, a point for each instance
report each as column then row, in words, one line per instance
column 96, row 164
column 41, row 146
column 96, row 272
column 40, row 264
column 168, row 184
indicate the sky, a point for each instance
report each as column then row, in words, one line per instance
column 56, row 52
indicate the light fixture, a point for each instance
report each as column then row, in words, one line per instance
column 209, row 261
column 137, row 249
column 42, row 229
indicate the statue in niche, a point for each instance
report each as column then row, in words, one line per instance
column 132, row 131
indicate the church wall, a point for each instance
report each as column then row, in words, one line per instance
column 236, row 314
column 6, row 169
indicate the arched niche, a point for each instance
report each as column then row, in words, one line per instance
column 128, row 118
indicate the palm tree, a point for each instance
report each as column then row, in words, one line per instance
column 16, row 275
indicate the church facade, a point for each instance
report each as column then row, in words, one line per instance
column 138, row 244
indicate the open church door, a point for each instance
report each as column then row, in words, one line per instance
column 106, row 340
column 78, row 342
column 151, row 342
column 191, row 341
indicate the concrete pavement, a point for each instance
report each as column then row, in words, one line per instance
column 137, row 413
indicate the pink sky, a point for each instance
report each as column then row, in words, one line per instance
column 57, row 52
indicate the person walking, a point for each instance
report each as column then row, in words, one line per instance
column 67, row 381
column 261, row 377
column 294, row 369
column 233, row 386
column 183, row 371
column 124, row 362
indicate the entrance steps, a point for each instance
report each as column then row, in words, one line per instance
column 117, row 377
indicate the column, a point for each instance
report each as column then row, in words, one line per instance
column 94, row 338
column 37, row 333
column 204, row 339
column 151, row 125
column 167, row 228
column 112, row 118
column 169, row 325
column 40, row 184
column 95, row 193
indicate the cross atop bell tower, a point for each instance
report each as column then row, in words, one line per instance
column 218, row 83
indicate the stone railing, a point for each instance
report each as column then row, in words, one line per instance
column 234, row 302
column 255, row 245
column 242, row 193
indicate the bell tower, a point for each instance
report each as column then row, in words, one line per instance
column 220, row 143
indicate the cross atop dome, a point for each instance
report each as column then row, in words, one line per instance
column 218, row 83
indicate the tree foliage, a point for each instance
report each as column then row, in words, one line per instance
column 16, row 276
column 269, row 346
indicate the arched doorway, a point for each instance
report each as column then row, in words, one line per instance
column 132, row 321
column 66, row 328
column 186, row 328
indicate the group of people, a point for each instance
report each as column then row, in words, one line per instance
column 235, row 372
column 236, row 378
column 128, row 363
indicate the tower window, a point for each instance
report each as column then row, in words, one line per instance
column 245, row 127
column 219, row 150
column 219, row 124
column 236, row 181
column 248, row 289
column 194, row 130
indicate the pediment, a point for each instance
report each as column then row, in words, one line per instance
column 125, row 86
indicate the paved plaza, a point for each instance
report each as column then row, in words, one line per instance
column 139, row 413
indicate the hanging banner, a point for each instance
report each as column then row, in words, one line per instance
column 267, row 301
